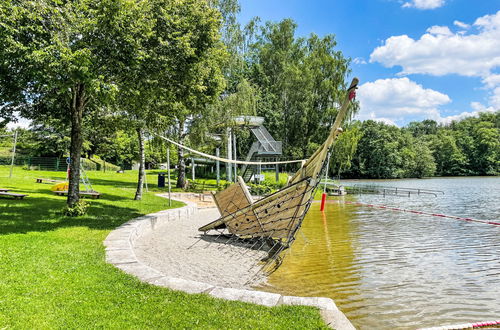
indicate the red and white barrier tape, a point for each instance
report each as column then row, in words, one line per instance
column 495, row 223
column 476, row 325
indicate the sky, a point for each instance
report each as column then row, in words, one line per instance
column 416, row 59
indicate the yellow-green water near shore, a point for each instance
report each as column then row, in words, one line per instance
column 387, row 269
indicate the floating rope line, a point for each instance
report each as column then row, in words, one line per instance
column 476, row 325
column 423, row 213
column 225, row 160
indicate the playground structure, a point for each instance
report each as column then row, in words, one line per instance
column 61, row 188
column 264, row 148
column 273, row 221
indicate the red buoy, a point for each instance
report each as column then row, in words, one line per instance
column 323, row 200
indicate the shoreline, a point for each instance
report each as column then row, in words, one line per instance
column 120, row 252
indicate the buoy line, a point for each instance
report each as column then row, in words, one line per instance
column 225, row 160
column 423, row 213
column 476, row 325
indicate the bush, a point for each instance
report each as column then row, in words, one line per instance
column 79, row 209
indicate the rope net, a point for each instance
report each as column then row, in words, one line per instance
column 271, row 226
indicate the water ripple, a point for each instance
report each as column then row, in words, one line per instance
column 401, row 270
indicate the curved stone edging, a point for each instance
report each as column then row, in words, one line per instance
column 120, row 253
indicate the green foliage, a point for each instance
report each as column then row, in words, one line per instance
column 77, row 210
column 467, row 147
column 302, row 82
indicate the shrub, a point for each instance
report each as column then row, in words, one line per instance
column 79, row 209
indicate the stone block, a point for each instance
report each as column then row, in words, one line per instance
column 254, row 297
column 181, row 284
column 120, row 256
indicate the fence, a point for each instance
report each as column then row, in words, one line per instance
column 57, row 164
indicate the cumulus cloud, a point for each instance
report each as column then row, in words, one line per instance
column 440, row 52
column 461, row 24
column 391, row 100
column 359, row 60
column 478, row 108
column 439, row 30
column 492, row 80
column 495, row 98
column 424, row 4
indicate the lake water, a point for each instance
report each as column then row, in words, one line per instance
column 399, row 270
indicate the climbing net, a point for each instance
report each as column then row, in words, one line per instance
column 269, row 225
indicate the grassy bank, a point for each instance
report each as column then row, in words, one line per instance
column 53, row 273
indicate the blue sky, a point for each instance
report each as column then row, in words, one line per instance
column 416, row 59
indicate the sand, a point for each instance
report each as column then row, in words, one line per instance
column 178, row 249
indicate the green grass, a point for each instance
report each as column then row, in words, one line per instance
column 53, row 273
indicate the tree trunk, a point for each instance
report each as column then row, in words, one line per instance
column 181, row 171
column 142, row 173
column 76, row 109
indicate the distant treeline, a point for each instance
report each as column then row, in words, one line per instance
column 421, row 149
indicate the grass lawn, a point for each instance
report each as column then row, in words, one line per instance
column 53, row 274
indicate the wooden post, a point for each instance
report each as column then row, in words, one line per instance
column 234, row 153
column 193, row 165
column 229, row 156
column 13, row 154
column 217, row 166
column 277, row 172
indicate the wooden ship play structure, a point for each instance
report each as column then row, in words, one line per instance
column 272, row 222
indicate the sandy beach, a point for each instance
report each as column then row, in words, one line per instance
column 178, row 249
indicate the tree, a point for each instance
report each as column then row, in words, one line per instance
column 302, row 81
column 345, row 148
column 62, row 58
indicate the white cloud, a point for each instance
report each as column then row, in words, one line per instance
column 492, row 80
column 20, row 123
column 359, row 60
column 478, row 107
column 424, row 4
column 461, row 24
column 440, row 52
column 439, row 30
column 495, row 98
column 392, row 100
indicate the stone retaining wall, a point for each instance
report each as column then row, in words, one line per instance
column 120, row 252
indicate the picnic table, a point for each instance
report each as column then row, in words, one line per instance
column 92, row 194
column 12, row 195
column 44, row 180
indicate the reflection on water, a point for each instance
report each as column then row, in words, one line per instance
column 387, row 269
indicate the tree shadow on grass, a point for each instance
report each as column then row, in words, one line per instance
column 45, row 214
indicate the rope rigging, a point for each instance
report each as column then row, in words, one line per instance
column 225, row 160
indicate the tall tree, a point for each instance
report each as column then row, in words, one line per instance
column 62, row 58
column 301, row 81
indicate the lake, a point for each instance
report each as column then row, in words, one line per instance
column 388, row 269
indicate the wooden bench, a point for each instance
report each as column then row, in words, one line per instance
column 4, row 189
column 93, row 194
column 13, row 195
column 43, row 180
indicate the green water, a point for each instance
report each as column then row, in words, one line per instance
column 388, row 269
